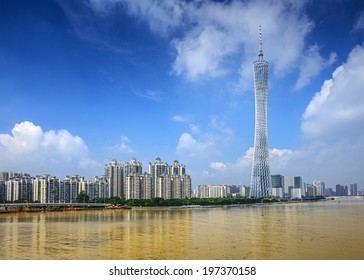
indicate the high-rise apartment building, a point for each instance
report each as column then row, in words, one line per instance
column 2, row 191
column 71, row 187
column 40, row 186
column 353, row 189
column 310, row 190
column 131, row 179
column 260, row 178
column 100, row 187
column 156, row 170
column 132, row 186
column 146, row 183
column 136, row 185
column 56, row 190
column 341, row 190
column 19, row 188
column 319, row 187
column 245, row 191
column 186, row 186
column 219, row 191
column 5, row 176
column 114, row 175
column 133, row 166
column 12, row 190
column 174, row 186
column 177, row 169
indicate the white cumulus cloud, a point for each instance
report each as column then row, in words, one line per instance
column 204, row 142
column 28, row 148
column 332, row 124
column 26, row 138
column 337, row 111
column 222, row 29
column 201, row 54
column 187, row 144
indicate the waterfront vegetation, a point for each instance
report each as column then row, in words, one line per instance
column 157, row 201
column 196, row 201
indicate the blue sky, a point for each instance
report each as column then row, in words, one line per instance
column 83, row 82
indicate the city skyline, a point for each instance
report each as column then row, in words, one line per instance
column 83, row 82
column 124, row 180
column 172, row 183
column 158, row 168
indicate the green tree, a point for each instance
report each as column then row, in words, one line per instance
column 82, row 197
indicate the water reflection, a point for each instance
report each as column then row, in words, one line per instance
column 320, row 230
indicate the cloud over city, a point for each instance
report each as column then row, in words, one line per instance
column 123, row 147
column 205, row 34
column 337, row 110
column 30, row 149
column 204, row 142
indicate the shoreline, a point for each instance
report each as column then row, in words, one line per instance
column 25, row 208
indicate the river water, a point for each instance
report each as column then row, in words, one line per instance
column 332, row 230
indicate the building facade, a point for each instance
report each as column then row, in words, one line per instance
column 260, row 178
column 156, row 170
column 293, row 187
column 99, row 188
column 319, row 187
column 40, row 186
column 133, row 167
column 122, row 180
column 353, row 189
column 19, row 188
column 177, row 169
column 138, row 186
column 2, row 191
column 114, row 175
column 278, row 185
column 220, row 191
column 341, row 190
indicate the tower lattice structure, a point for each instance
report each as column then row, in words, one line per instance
column 261, row 185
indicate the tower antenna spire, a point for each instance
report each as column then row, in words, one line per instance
column 260, row 43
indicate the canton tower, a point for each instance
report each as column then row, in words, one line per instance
column 261, row 185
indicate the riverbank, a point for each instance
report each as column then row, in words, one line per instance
column 7, row 210
column 28, row 208
column 206, row 203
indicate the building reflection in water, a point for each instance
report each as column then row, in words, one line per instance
column 109, row 234
column 320, row 230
